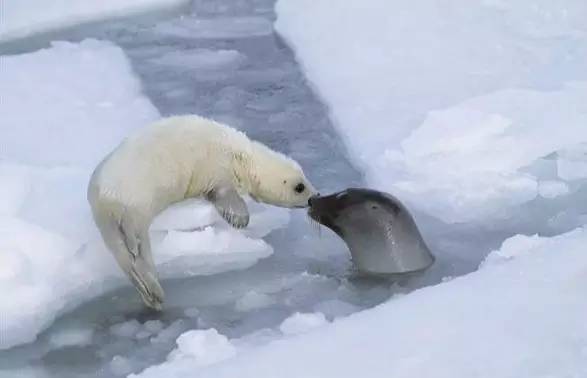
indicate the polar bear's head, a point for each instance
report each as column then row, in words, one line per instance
column 277, row 179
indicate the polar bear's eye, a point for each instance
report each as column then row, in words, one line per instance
column 300, row 188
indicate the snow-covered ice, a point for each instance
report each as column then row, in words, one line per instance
column 23, row 18
column 86, row 99
column 334, row 308
column 77, row 122
column 196, row 348
column 473, row 112
column 299, row 323
column 445, row 103
column 521, row 315
column 466, row 160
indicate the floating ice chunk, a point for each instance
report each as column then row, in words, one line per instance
column 191, row 312
column 120, row 366
column 169, row 333
column 27, row 17
column 335, row 308
column 208, row 249
column 217, row 28
column 204, row 346
column 71, row 336
column 301, row 323
column 196, row 349
column 143, row 334
column 149, row 328
column 153, row 326
column 187, row 215
column 208, row 252
column 201, row 59
column 513, row 247
column 252, row 301
column 552, row 189
column 126, row 329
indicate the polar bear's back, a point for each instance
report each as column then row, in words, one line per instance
column 160, row 159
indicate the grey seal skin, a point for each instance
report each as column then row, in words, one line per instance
column 380, row 232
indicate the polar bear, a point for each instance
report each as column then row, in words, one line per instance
column 174, row 159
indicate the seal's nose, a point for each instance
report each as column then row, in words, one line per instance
column 311, row 199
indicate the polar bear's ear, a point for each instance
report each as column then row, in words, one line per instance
column 231, row 206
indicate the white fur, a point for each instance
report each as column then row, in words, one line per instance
column 174, row 159
column 187, row 156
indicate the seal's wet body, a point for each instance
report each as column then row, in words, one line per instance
column 380, row 232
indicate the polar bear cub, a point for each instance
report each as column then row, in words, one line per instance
column 174, row 159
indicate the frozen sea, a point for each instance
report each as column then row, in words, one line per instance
column 230, row 65
column 482, row 133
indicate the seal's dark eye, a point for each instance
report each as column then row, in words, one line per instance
column 300, row 188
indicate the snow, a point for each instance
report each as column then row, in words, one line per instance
column 445, row 104
column 467, row 159
column 522, row 314
column 78, row 121
column 24, row 18
column 471, row 112
column 335, row 308
column 196, row 348
column 86, row 99
column 299, row 323
column 204, row 346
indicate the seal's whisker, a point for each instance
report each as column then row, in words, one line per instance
column 315, row 225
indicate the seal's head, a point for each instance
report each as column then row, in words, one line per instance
column 379, row 231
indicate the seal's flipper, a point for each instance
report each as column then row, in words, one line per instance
column 231, row 206
column 134, row 256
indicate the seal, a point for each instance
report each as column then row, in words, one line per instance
column 174, row 159
column 381, row 234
